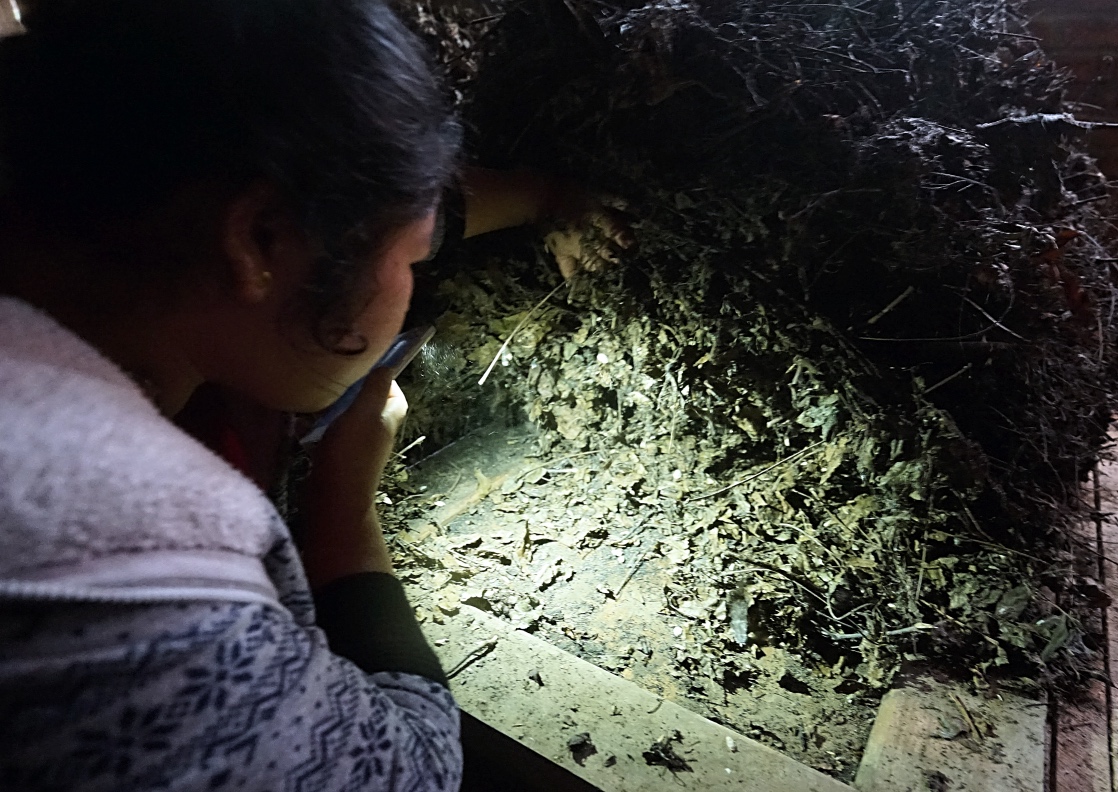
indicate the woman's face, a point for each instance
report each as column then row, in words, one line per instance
column 279, row 363
column 384, row 314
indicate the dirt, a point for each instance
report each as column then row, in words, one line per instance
column 829, row 418
column 499, row 533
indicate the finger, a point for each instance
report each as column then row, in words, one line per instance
column 565, row 247
column 395, row 408
column 618, row 226
column 623, row 238
column 615, row 252
column 608, row 252
column 612, row 201
column 568, row 266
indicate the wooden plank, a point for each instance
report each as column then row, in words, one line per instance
column 1081, row 755
column 546, row 699
column 1086, row 37
column 1074, row 7
column 1107, row 513
column 1082, row 760
column 1082, row 30
column 924, row 739
column 1082, row 35
column 1104, row 146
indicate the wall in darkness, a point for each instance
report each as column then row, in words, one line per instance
column 1083, row 36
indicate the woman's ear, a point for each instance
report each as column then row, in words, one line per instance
column 256, row 241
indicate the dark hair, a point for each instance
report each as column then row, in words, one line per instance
column 109, row 107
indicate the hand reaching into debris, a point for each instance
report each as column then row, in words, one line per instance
column 586, row 231
column 343, row 535
column 590, row 232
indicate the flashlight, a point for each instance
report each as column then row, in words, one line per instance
column 401, row 352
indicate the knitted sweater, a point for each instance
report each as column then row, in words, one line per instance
column 156, row 628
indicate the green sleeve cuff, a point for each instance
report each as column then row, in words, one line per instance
column 369, row 621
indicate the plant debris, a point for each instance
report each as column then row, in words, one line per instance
column 662, row 754
column 581, row 748
column 845, row 391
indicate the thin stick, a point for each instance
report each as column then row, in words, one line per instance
column 979, row 308
column 1049, row 118
column 411, row 445
column 523, row 474
column 919, row 627
column 904, row 296
column 948, row 379
column 472, row 657
column 633, row 571
column 516, row 330
column 759, row 473
column 966, row 716
column 923, row 559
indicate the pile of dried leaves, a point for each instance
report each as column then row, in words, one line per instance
column 866, row 348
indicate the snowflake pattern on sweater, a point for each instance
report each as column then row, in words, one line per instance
column 199, row 696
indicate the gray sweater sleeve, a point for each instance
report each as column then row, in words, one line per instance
column 201, row 697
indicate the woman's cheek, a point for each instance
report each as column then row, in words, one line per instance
column 385, row 315
column 397, row 292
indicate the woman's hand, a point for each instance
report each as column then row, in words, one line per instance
column 588, row 231
column 585, row 230
column 343, row 533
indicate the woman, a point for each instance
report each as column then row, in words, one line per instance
column 211, row 191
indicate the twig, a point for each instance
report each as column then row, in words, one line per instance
column 516, row 330
column 567, row 458
column 960, row 180
column 907, row 16
column 976, row 334
column 974, row 522
column 923, row 561
column 482, row 20
column 948, row 379
column 1048, row 118
column 948, row 617
column 997, row 323
column 475, row 654
column 633, row 571
column 966, row 716
column 1007, row 34
column 759, row 473
column 919, row 627
column 1001, row 548
column 755, row 566
column 631, row 533
column 904, row 296
column 1092, row 548
column 1092, row 200
column 951, row 339
column 411, row 445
